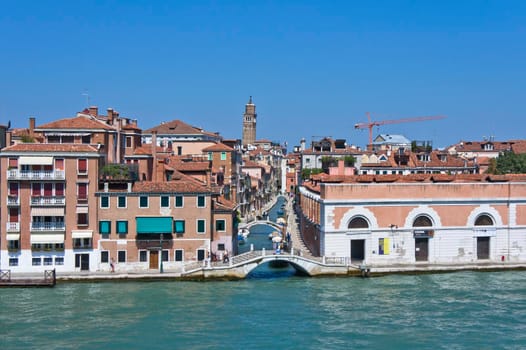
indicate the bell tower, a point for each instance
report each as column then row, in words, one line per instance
column 249, row 123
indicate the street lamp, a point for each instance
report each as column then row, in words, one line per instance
column 161, row 270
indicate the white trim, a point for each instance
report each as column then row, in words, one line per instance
column 487, row 210
column 175, row 201
column 25, row 160
column 175, row 255
column 125, row 202
column 13, row 237
column 82, row 210
column 197, row 201
column 47, row 238
column 161, row 201
column 81, row 234
column 359, row 211
column 197, row 226
column 139, row 202
column 423, row 210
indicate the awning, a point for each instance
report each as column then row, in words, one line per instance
column 47, row 238
column 81, row 233
column 35, row 160
column 13, row 237
column 58, row 211
column 154, row 225
column 82, row 210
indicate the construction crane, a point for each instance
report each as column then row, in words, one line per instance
column 372, row 124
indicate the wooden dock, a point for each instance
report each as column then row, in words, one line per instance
column 49, row 280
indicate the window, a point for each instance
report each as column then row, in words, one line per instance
column 223, row 155
column 122, row 227
column 59, row 260
column 143, row 256
column 48, row 261
column 82, row 166
column 86, row 139
column 35, row 189
column 165, row 255
column 179, row 150
column 36, row 246
column 200, row 254
column 59, row 246
column 200, row 226
column 128, row 141
column 13, row 188
column 358, row 222
column 165, row 202
column 179, row 201
column 221, row 247
column 121, row 256
column 13, row 261
column 59, row 189
column 179, row 254
column 82, row 219
column 82, row 192
column 105, row 227
column 36, row 261
column 143, row 202
column 179, row 226
column 210, row 156
column 13, row 164
column 484, row 220
column 104, row 256
column 121, row 202
column 422, row 221
column 13, row 245
column 104, row 201
column 201, row 201
column 82, row 243
column 220, row 225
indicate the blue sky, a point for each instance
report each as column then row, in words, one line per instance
column 313, row 67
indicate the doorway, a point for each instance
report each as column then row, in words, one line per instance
column 357, row 249
column 482, row 248
column 421, row 249
column 154, row 259
column 82, row 261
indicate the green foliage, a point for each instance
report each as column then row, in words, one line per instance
column 349, row 160
column 306, row 173
column 116, row 171
column 508, row 163
column 27, row 139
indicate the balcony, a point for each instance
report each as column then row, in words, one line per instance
column 13, row 227
column 44, row 200
column 13, row 200
column 48, row 226
column 15, row 174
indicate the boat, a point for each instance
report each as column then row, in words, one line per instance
column 243, row 232
column 273, row 235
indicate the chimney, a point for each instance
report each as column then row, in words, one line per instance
column 110, row 116
column 94, row 111
column 31, row 126
column 154, row 153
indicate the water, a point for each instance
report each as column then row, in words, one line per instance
column 259, row 233
column 466, row 310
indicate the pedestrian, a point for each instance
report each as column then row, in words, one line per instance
column 112, row 265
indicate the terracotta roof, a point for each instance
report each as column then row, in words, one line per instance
column 182, row 185
column 218, row 147
column 519, row 147
column 80, row 122
column 225, row 203
column 51, row 147
column 131, row 126
column 147, row 149
column 325, row 178
column 251, row 164
column 178, row 127
column 185, row 164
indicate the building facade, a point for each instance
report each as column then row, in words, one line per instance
column 431, row 219
column 249, row 124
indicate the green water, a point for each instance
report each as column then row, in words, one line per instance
column 272, row 309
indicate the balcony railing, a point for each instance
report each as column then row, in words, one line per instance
column 13, row 227
column 15, row 174
column 47, row 226
column 13, row 200
column 44, row 200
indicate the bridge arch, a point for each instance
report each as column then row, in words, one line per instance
column 262, row 222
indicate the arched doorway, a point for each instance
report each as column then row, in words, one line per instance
column 483, row 242
column 360, row 224
column 422, row 236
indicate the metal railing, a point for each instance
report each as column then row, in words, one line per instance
column 13, row 227
column 15, row 174
column 48, row 200
column 48, row 226
column 13, row 200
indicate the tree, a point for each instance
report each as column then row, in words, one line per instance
column 307, row 172
column 508, row 163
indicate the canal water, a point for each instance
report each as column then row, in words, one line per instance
column 464, row 310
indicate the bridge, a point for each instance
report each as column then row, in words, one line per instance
column 261, row 222
column 241, row 265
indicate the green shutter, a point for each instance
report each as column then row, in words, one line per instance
column 104, row 227
column 200, row 226
column 147, row 225
column 165, row 201
column 143, row 202
column 122, row 202
column 179, row 226
column 104, row 202
column 200, row 201
column 178, row 201
column 122, row 227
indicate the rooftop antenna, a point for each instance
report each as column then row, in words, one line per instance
column 85, row 93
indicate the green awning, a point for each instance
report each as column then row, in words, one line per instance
column 154, row 225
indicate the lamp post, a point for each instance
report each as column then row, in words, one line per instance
column 161, row 270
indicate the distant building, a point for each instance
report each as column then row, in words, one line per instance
column 249, row 124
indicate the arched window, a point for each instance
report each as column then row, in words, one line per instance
column 484, row 220
column 358, row 222
column 422, row 221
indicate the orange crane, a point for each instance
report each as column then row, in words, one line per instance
column 372, row 124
